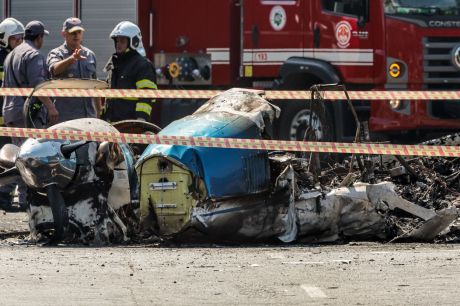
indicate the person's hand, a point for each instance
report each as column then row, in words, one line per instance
column 53, row 115
column 77, row 55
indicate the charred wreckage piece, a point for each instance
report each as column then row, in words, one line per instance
column 97, row 193
column 77, row 191
column 237, row 194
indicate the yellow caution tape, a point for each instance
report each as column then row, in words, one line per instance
column 251, row 144
column 206, row 94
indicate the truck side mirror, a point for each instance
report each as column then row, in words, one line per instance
column 361, row 21
column 363, row 16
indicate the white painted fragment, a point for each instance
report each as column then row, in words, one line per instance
column 313, row 292
column 276, row 256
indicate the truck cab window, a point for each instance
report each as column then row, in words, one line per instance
column 345, row 7
column 423, row 7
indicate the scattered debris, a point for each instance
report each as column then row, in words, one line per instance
column 231, row 194
column 77, row 191
column 361, row 198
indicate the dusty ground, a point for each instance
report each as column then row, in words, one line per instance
column 352, row 274
column 12, row 223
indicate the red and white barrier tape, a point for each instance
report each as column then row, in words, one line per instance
column 206, row 94
column 253, row 144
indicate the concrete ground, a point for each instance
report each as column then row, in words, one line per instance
column 352, row 274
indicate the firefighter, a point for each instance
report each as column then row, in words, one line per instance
column 11, row 35
column 73, row 60
column 128, row 68
column 25, row 67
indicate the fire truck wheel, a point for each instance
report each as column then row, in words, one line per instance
column 295, row 119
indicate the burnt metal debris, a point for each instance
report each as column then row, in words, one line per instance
column 77, row 191
column 229, row 194
column 188, row 192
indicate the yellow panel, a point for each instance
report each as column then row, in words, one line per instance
column 167, row 191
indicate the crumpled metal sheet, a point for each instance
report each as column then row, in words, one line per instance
column 434, row 226
column 342, row 213
column 242, row 219
column 95, row 223
column 363, row 212
column 359, row 212
column 95, row 211
column 252, row 217
column 346, row 212
column 245, row 103
column 98, row 201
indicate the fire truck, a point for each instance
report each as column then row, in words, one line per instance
column 293, row 44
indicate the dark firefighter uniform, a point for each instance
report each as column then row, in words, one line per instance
column 129, row 70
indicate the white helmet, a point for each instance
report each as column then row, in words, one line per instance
column 132, row 31
column 9, row 27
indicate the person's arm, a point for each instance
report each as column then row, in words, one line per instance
column 53, row 114
column 60, row 65
column 54, row 56
column 36, row 73
column 98, row 106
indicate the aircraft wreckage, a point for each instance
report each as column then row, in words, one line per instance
column 89, row 192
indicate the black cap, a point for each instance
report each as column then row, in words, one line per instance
column 34, row 28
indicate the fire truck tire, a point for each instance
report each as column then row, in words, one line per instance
column 452, row 109
column 295, row 118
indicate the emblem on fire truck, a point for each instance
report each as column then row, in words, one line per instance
column 343, row 34
column 456, row 57
column 278, row 18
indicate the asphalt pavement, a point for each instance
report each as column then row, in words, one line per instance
column 358, row 273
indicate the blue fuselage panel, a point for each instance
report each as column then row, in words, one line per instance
column 226, row 172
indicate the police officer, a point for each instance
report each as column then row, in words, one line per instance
column 11, row 36
column 72, row 60
column 25, row 67
column 129, row 69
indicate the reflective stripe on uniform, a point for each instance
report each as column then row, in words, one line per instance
column 145, row 83
column 2, row 121
column 124, row 98
column 143, row 107
column 1, row 75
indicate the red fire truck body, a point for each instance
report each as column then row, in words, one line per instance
column 293, row 44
